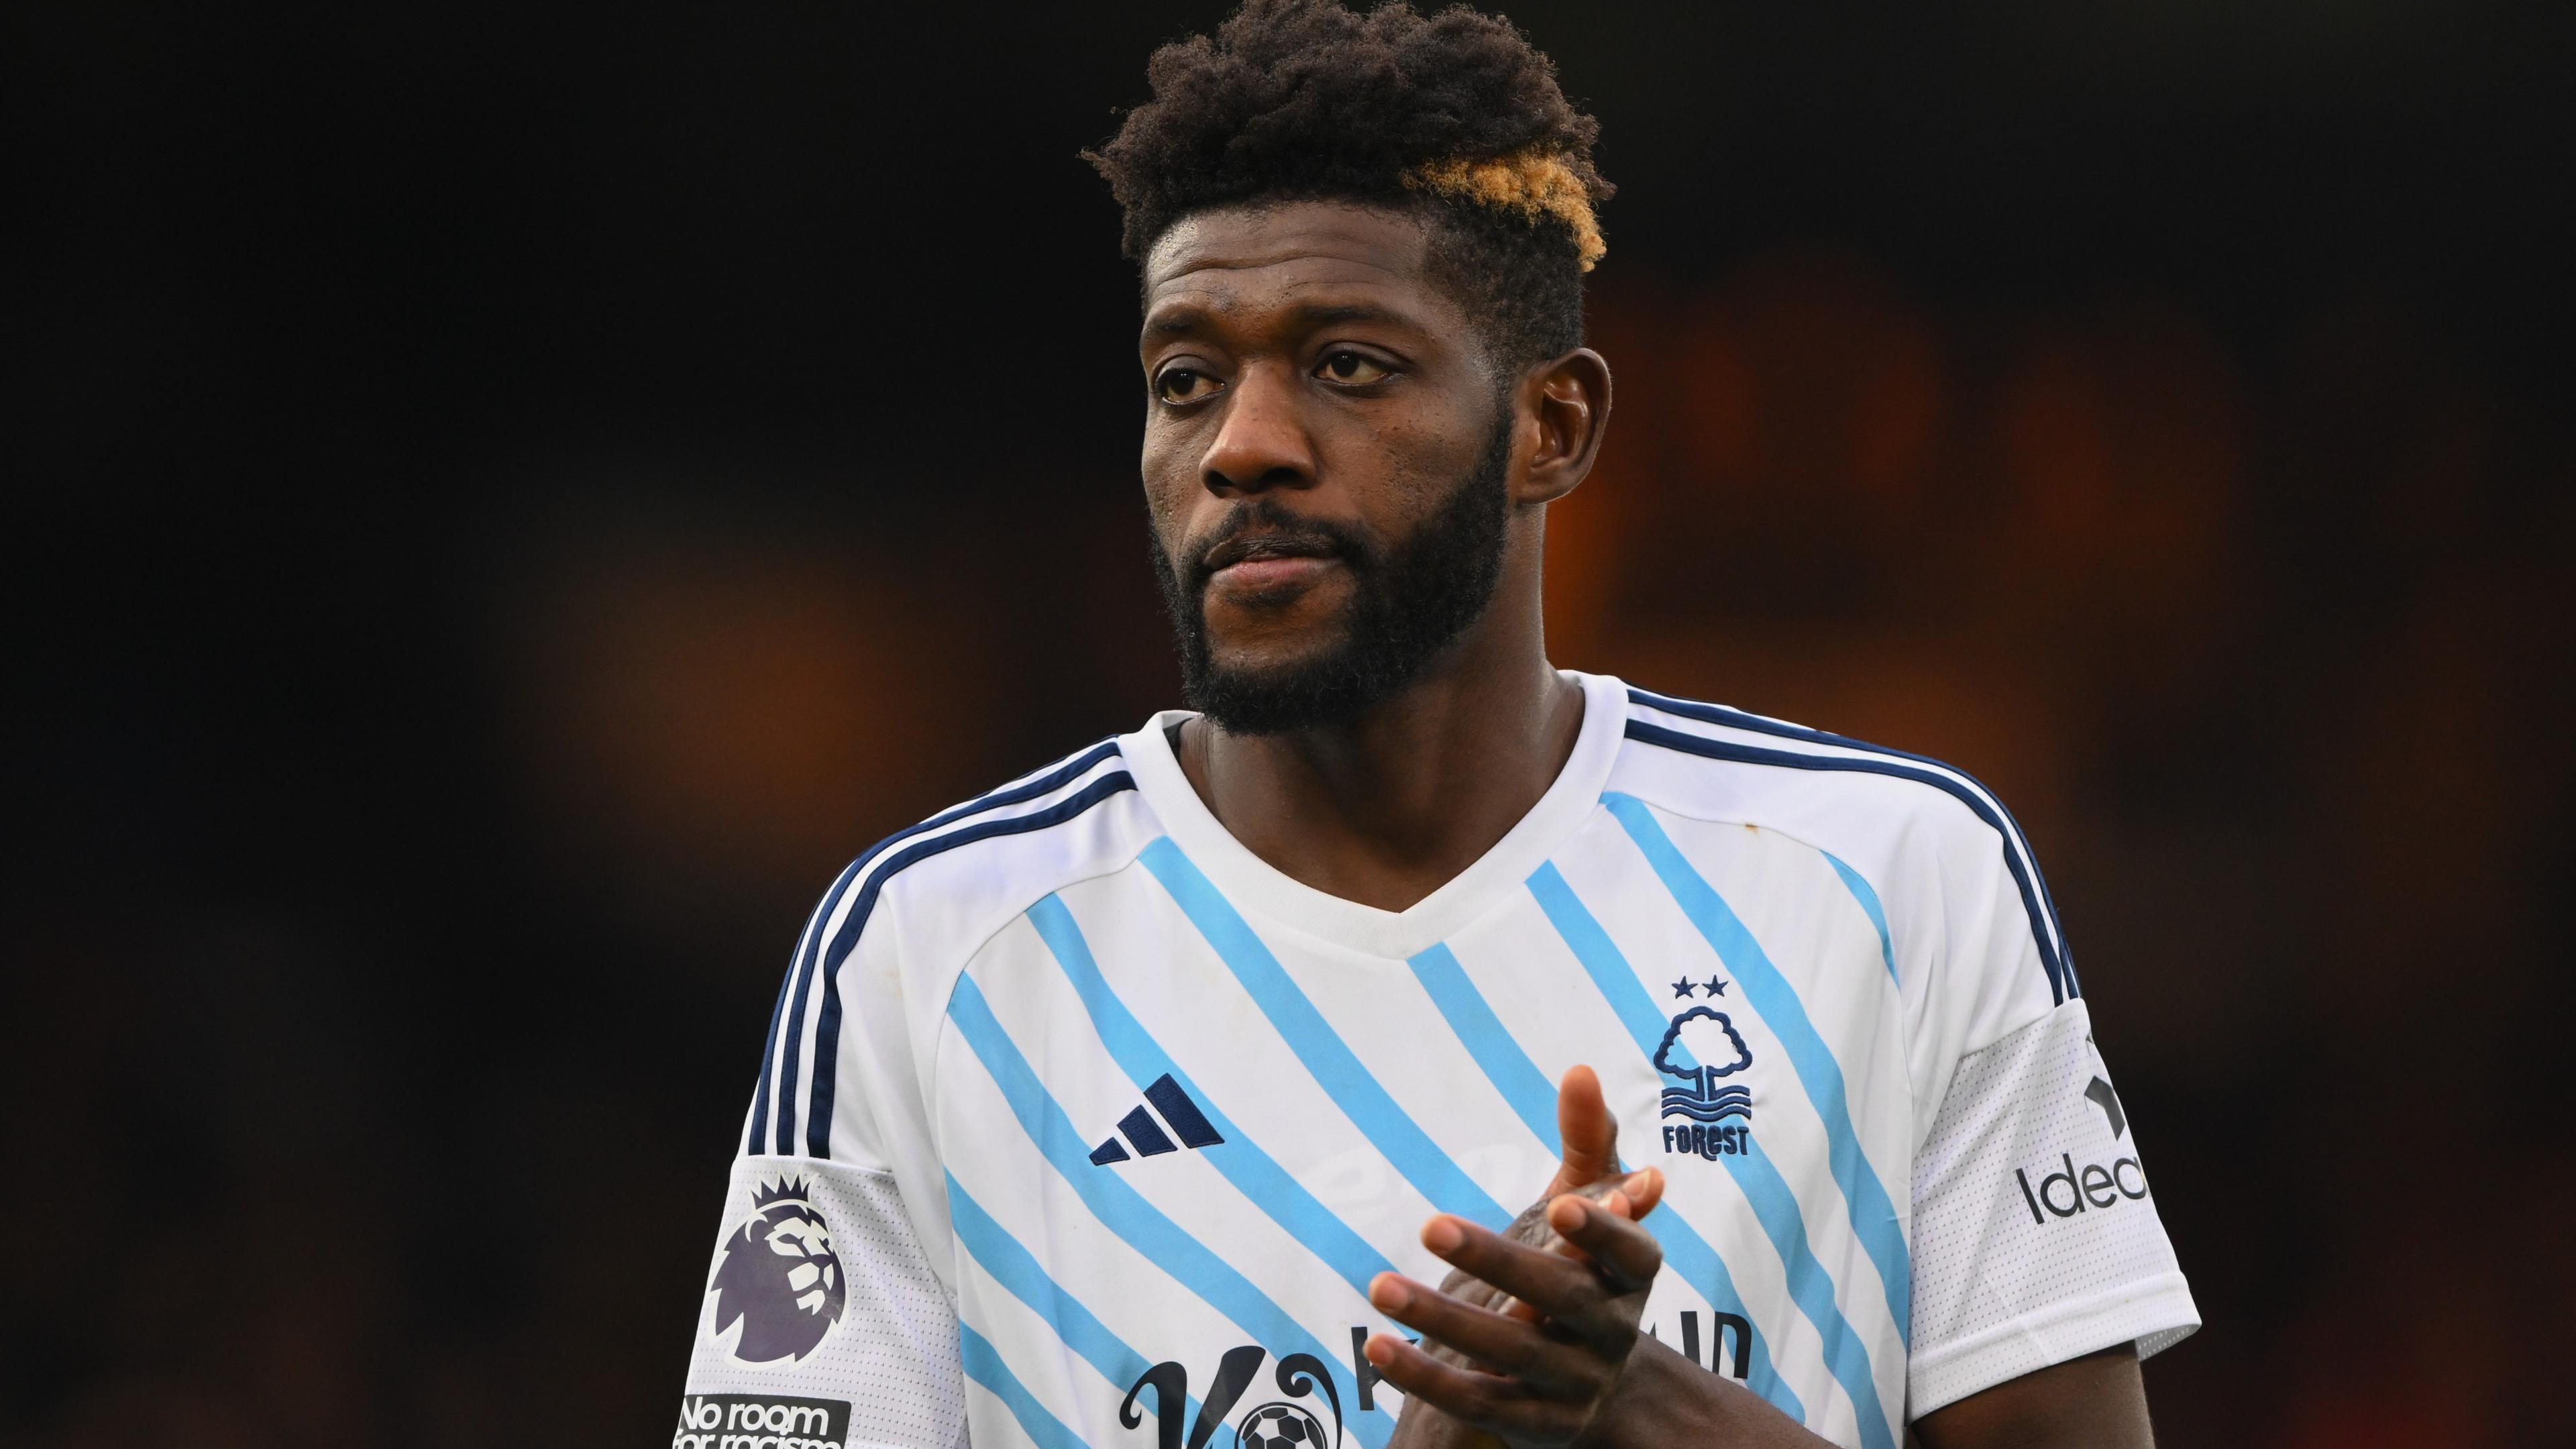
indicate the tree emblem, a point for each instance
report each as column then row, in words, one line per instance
column 1710, row 1047
column 1713, row 1051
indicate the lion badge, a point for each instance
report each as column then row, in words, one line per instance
column 779, row 1276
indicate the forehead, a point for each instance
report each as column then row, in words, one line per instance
column 1241, row 260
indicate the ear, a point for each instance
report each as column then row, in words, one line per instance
column 1568, row 402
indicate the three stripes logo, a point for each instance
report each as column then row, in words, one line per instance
column 1147, row 1135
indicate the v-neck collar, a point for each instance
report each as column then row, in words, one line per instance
column 1255, row 885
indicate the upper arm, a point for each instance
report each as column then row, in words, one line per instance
column 2097, row 1401
column 824, row 1304
column 2035, row 1239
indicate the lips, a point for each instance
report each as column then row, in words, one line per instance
column 1267, row 568
column 1262, row 548
column 1261, row 574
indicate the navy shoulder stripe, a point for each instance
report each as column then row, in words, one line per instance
column 2015, row 840
column 827, row 1025
column 2060, row 972
column 769, row 1046
column 800, row 974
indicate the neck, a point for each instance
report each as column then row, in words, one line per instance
column 1386, row 807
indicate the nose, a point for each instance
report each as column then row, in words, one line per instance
column 1263, row 443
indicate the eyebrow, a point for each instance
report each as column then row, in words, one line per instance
column 1183, row 321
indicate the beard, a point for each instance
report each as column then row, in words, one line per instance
column 1408, row 605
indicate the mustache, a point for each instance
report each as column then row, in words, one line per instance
column 1266, row 528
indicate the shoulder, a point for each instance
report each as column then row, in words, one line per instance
column 913, row 908
column 1907, row 822
column 987, row 859
column 1732, row 759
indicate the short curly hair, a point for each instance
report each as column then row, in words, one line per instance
column 1455, row 117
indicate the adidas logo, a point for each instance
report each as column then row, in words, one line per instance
column 1147, row 1136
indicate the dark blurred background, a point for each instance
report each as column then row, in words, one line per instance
column 503, row 501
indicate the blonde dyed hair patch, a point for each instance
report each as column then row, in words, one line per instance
column 1533, row 183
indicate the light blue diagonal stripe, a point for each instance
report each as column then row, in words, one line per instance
column 1019, row 1271
column 1326, row 1056
column 983, row 1363
column 1601, row 957
column 1865, row 1201
column 1513, row 1074
column 1868, row 899
column 1123, row 1210
column 1255, row 1172
column 1688, row 1251
column 1811, row 1287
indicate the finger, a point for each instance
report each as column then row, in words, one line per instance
column 1644, row 1189
column 1496, row 1342
column 1619, row 1247
column 1544, row 1281
column 1589, row 1133
column 1468, row 1394
column 1600, row 1191
column 1491, row 1402
column 1609, row 1199
column 1631, row 1197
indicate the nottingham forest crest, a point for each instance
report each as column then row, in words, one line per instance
column 1705, row 1116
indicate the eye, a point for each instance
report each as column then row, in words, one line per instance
column 1352, row 369
column 1178, row 385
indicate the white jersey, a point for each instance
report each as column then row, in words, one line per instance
column 1082, row 1125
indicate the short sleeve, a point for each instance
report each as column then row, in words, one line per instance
column 2036, row 1238
column 821, row 1318
column 824, row 1318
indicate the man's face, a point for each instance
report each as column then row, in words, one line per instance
column 1325, row 462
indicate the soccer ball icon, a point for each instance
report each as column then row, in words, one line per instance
column 1279, row 1426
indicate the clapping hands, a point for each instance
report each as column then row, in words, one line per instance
column 1525, row 1343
